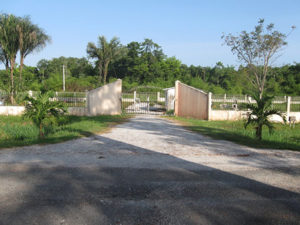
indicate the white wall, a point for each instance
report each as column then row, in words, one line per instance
column 238, row 115
column 12, row 110
column 105, row 100
column 190, row 102
column 19, row 110
column 170, row 98
column 296, row 114
column 77, row 111
column 227, row 115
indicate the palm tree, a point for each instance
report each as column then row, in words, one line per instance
column 9, row 41
column 260, row 113
column 4, row 59
column 39, row 108
column 31, row 38
column 104, row 53
column 148, row 46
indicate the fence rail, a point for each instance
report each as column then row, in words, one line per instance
column 71, row 99
column 237, row 102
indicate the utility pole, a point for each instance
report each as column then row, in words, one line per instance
column 64, row 79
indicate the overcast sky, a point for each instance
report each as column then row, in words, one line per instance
column 189, row 30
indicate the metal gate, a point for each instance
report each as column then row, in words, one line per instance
column 143, row 103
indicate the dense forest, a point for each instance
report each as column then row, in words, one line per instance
column 145, row 64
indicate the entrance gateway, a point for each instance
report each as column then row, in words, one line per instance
column 136, row 102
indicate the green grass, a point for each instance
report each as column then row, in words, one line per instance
column 16, row 131
column 284, row 137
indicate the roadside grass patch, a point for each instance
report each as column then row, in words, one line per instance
column 283, row 137
column 16, row 131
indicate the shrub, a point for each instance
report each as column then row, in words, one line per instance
column 41, row 109
column 260, row 113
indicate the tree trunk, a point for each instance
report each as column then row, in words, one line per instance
column 7, row 67
column 41, row 134
column 21, row 70
column 100, row 72
column 12, row 64
column 105, row 72
column 259, row 132
column 261, row 92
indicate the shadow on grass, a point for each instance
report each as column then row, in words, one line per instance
column 296, row 139
column 9, row 143
column 68, row 128
column 222, row 134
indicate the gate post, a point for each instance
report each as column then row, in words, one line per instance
column 148, row 105
column 87, row 103
column 209, row 106
column 176, row 100
column 134, row 97
column 288, row 107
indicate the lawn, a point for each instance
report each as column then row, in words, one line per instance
column 284, row 137
column 16, row 131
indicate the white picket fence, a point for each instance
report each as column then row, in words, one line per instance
column 71, row 99
column 233, row 102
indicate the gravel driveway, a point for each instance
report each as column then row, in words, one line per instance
column 148, row 171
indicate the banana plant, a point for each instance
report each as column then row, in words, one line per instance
column 41, row 107
column 260, row 114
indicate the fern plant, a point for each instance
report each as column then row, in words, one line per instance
column 42, row 107
column 260, row 113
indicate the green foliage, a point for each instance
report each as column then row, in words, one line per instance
column 54, row 82
column 41, row 108
column 9, row 44
column 80, row 74
column 257, row 49
column 143, row 64
column 18, row 131
column 82, row 84
column 31, row 38
column 104, row 53
column 260, row 113
column 18, row 35
column 170, row 112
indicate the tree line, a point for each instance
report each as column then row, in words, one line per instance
column 136, row 70
column 142, row 64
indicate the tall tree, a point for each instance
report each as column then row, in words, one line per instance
column 148, row 46
column 151, row 50
column 31, row 38
column 42, row 66
column 9, row 41
column 258, row 50
column 105, row 52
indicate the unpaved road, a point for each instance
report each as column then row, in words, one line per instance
column 148, row 171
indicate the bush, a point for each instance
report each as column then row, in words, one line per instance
column 42, row 111
column 170, row 112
